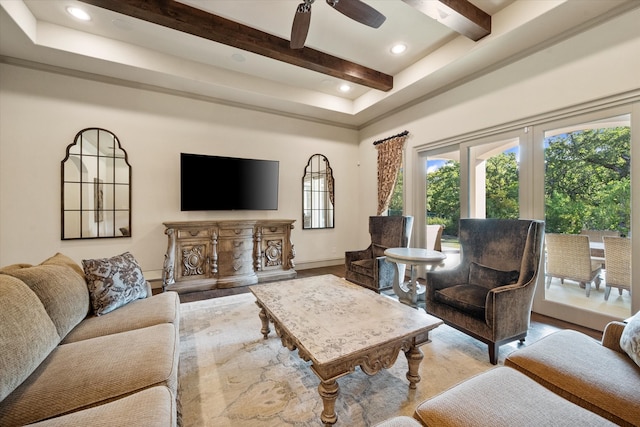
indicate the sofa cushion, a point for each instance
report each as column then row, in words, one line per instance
column 630, row 339
column 59, row 283
column 152, row 407
column 399, row 421
column 27, row 334
column 490, row 278
column 581, row 370
column 468, row 298
column 158, row 309
column 502, row 397
column 92, row 372
column 114, row 282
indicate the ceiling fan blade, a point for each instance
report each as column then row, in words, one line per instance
column 358, row 11
column 300, row 26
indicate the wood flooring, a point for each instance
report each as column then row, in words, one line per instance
column 540, row 325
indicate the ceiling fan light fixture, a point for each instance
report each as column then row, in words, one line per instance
column 398, row 48
column 78, row 13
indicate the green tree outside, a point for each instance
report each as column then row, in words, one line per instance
column 502, row 186
column 588, row 181
column 587, row 184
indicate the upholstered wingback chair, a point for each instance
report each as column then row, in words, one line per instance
column 489, row 294
column 368, row 267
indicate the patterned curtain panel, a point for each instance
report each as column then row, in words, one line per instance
column 330, row 188
column 389, row 163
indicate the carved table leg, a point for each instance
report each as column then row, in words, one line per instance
column 329, row 392
column 414, row 357
column 265, row 321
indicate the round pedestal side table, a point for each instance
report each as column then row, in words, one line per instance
column 409, row 292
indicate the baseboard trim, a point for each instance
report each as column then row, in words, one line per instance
column 319, row 264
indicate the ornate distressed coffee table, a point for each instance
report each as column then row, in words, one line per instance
column 337, row 326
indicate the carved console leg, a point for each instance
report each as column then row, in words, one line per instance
column 414, row 357
column 265, row 321
column 329, row 391
column 168, row 277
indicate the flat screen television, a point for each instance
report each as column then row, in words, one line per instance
column 214, row 183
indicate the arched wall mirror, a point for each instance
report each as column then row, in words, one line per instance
column 318, row 194
column 96, row 187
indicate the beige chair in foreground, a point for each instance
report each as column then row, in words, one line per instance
column 569, row 257
column 617, row 254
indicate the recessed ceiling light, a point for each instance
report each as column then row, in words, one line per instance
column 344, row 87
column 78, row 13
column 399, row 48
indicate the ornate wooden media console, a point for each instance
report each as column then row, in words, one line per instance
column 204, row 255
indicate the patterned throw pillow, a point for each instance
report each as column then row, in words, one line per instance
column 630, row 339
column 114, row 282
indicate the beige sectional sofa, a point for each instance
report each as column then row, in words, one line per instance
column 564, row 379
column 61, row 364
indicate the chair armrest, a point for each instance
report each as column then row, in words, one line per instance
column 513, row 301
column 351, row 256
column 611, row 336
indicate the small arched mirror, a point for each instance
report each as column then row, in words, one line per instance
column 96, row 187
column 318, row 199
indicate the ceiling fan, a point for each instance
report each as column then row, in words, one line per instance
column 354, row 9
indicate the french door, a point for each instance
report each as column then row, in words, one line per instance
column 574, row 172
column 583, row 185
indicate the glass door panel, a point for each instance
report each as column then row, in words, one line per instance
column 493, row 177
column 443, row 201
column 587, row 193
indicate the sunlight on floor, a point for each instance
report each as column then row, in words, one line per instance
column 570, row 293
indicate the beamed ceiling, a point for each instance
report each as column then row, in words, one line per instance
column 237, row 52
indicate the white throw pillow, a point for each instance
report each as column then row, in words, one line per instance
column 630, row 339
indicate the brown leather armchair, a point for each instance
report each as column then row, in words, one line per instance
column 489, row 294
column 368, row 267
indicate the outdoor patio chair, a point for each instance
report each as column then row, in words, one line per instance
column 489, row 294
column 596, row 236
column 569, row 257
column 434, row 236
column 369, row 267
column 617, row 254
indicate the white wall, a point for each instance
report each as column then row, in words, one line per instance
column 601, row 62
column 41, row 112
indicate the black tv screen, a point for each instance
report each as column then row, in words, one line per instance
column 214, row 183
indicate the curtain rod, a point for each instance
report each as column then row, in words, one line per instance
column 380, row 141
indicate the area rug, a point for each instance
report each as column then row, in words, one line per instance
column 229, row 375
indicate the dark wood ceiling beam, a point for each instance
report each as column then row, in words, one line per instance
column 197, row 22
column 459, row 15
